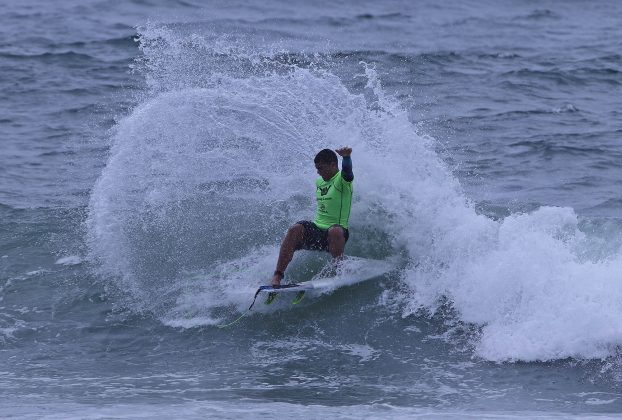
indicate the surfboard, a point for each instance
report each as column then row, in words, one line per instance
column 349, row 271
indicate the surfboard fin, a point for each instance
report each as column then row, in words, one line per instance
column 271, row 297
column 298, row 297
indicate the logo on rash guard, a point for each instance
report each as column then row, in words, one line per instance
column 324, row 190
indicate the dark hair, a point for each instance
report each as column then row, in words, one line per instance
column 326, row 156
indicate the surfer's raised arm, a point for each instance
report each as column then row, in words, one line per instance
column 346, row 163
column 329, row 230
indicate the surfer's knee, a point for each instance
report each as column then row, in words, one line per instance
column 336, row 233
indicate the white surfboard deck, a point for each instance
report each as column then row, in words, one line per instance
column 349, row 271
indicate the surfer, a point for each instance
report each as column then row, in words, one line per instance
column 329, row 230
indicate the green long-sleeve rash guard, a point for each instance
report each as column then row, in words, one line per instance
column 334, row 197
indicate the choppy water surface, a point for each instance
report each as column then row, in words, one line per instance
column 154, row 155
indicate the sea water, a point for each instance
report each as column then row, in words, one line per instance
column 154, row 154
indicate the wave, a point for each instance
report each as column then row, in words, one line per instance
column 549, row 148
column 206, row 174
column 540, row 14
column 123, row 41
column 48, row 57
column 574, row 76
column 346, row 20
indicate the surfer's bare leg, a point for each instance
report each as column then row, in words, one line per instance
column 336, row 242
column 288, row 247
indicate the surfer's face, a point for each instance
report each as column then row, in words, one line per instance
column 326, row 170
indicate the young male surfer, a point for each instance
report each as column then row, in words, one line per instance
column 329, row 229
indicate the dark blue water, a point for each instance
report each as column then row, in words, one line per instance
column 154, row 154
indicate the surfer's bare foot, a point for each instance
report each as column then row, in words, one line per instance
column 276, row 278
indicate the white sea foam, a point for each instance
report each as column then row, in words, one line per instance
column 69, row 260
column 198, row 176
column 36, row 272
column 530, row 288
column 207, row 173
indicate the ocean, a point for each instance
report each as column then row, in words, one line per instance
column 155, row 152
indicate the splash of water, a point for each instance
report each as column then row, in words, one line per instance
column 212, row 172
column 208, row 171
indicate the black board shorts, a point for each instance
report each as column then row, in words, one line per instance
column 314, row 238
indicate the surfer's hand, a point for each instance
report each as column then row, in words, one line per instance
column 344, row 151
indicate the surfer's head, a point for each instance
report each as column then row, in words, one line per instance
column 326, row 163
